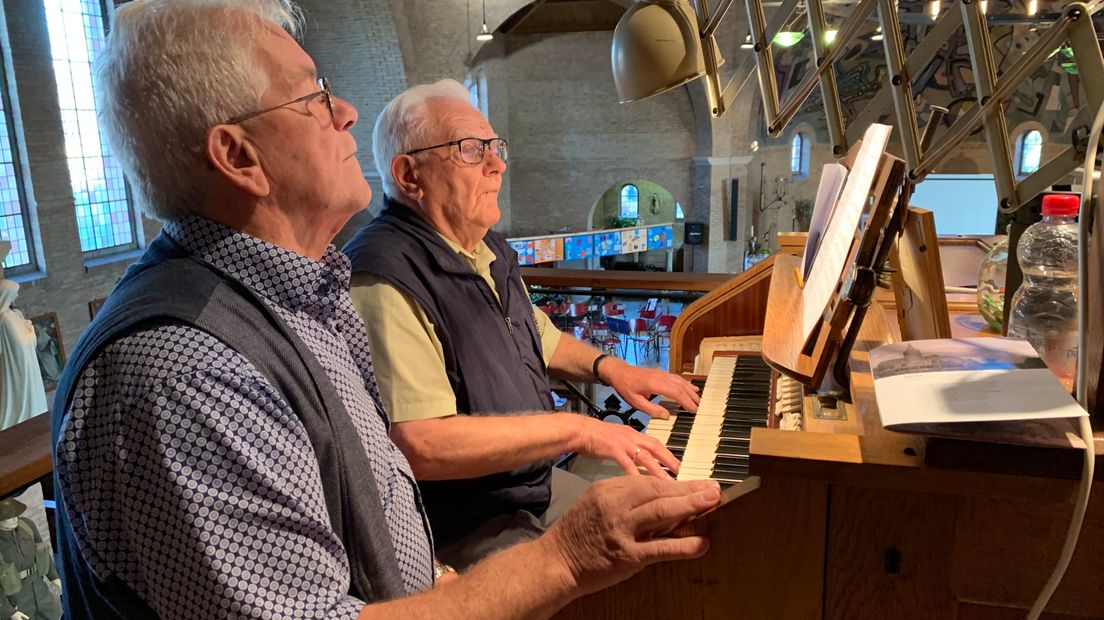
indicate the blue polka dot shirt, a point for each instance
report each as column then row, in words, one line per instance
column 188, row 477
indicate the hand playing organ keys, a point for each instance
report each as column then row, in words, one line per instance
column 740, row 393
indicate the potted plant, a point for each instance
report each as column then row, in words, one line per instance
column 803, row 214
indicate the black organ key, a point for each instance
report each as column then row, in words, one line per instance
column 715, row 442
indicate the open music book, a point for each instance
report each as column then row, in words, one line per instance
column 841, row 223
column 963, row 386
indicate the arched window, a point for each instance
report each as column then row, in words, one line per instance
column 1029, row 152
column 799, row 155
column 630, row 201
column 473, row 92
column 14, row 221
column 679, row 215
column 105, row 219
column 476, row 83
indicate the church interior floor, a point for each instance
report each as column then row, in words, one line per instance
column 597, row 469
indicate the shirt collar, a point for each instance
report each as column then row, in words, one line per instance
column 279, row 275
column 480, row 259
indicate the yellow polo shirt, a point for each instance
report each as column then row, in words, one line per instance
column 407, row 355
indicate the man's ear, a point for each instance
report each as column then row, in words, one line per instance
column 404, row 169
column 236, row 159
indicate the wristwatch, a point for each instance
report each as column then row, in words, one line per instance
column 594, row 368
column 441, row 569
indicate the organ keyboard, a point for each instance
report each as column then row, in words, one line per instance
column 852, row 521
column 740, row 393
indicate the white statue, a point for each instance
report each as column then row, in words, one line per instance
column 22, row 394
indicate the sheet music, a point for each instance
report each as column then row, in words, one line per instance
column 832, row 177
column 835, row 244
column 921, row 384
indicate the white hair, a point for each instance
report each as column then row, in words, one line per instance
column 404, row 125
column 171, row 69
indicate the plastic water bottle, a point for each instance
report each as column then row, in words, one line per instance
column 1044, row 308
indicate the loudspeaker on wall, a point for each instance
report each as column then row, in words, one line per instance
column 694, row 234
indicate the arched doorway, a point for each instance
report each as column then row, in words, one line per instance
column 633, row 202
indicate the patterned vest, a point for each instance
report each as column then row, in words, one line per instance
column 150, row 294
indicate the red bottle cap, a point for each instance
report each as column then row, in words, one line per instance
column 1061, row 205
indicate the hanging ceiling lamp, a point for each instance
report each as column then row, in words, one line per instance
column 484, row 32
column 788, row 38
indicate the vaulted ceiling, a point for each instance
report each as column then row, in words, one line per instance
column 558, row 16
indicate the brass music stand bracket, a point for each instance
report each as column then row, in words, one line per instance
column 829, row 408
column 871, row 262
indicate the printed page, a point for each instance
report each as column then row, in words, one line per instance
column 832, row 177
column 961, row 380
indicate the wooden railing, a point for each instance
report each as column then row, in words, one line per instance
column 24, row 454
column 623, row 280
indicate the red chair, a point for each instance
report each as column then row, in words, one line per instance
column 642, row 337
column 603, row 338
column 613, row 309
column 663, row 327
column 577, row 311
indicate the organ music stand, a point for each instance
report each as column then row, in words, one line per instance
column 829, row 346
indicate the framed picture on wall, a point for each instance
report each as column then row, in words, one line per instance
column 94, row 307
column 49, row 348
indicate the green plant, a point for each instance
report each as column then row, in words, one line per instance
column 803, row 208
column 621, row 222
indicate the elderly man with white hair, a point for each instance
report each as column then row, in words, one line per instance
column 220, row 447
column 457, row 343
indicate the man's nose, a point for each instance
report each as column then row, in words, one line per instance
column 492, row 162
column 345, row 114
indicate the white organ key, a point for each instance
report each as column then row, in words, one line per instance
column 661, row 429
column 697, row 460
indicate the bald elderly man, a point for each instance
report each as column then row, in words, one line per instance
column 460, row 351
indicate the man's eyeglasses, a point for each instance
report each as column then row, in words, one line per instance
column 472, row 150
column 325, row 93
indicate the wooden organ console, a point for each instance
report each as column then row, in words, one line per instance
column 850, row 520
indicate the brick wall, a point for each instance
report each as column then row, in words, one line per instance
column 571, row 140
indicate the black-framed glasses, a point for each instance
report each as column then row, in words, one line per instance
column 472, row 150
column 325, row 93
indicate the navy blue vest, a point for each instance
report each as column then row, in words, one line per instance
column 168, row 286
column 492, row 353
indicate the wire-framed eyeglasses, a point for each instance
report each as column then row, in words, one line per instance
column 472, row 150
column 325, row 93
